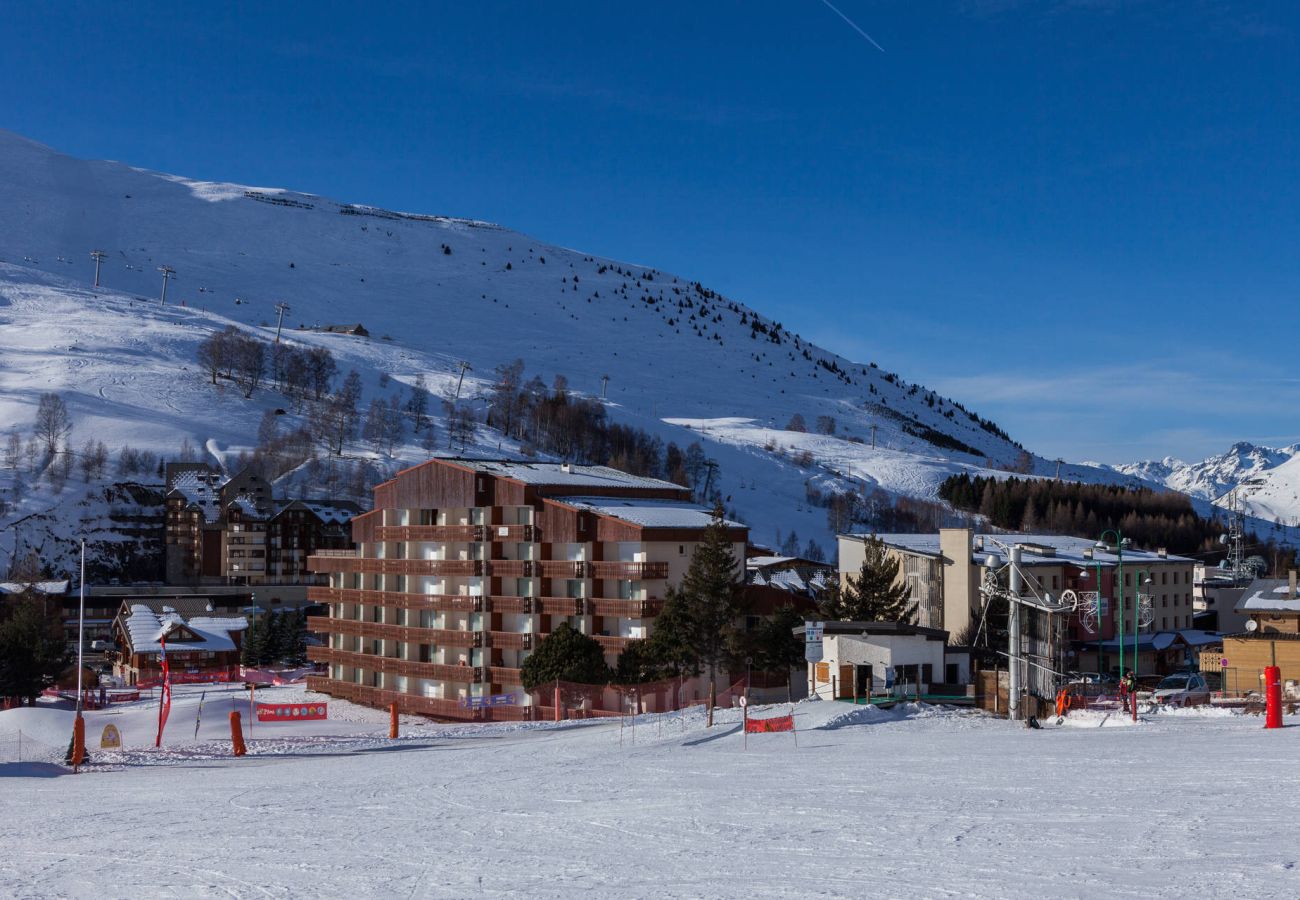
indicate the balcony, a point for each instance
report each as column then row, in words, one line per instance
column 509, row 640
column 559, row 568
column 513, row 568
column 367, row 566
column 628, row 570
column 410, row 634
column 398, row 599
column 412, row 533
column 503, row 675
column 612, row 644
column 626, row 609
column 411, row 668
column 414, row 704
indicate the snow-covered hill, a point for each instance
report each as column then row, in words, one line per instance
column 1270, row 476
column 431, row 291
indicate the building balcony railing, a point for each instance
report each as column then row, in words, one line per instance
column 336, row 554
column 631, row 570
column 461, row 533
column 414, row 704
column 628, row 609
column 367, row 566
column 509, row 640
column 504, row 675
column 398, row 599
column 443, row 637
column 410, row 668
column 612, row 644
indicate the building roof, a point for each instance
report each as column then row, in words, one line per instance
column 1052, row 549
column 649, row 513
column 562, row 474
column 897, row 629
column 1268, row 595
column 803, row 579
column 1159, row 640
column 40, row 587
column 144, row 628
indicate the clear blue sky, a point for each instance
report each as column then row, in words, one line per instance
column 1078, row 217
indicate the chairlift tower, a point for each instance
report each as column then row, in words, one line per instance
column 167, row 273
column 98, row 256
column 280, row 308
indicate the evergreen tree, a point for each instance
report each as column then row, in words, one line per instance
column 255, row 641
column 565, row 655
column 715, row 601
column 774, row 645
column 33, row 651
column 874, row 594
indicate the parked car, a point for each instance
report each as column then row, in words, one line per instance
column 102, row 646
column 1182, row 689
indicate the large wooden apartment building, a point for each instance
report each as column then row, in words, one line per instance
column 463, row 565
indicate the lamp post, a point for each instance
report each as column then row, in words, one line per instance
column 1143, row 577
column 1083, row 572
column 1119, row 586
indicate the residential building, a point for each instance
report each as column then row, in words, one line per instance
column 861, row 659
column 1215, row 595
column 464, row 564
column 1271, row 636
column 201, row 647
column 232, row 530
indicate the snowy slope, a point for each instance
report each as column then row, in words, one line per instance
column 916, row 802
column 1271, row 476
column 431, row 291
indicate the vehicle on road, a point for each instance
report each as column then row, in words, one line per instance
column 1182, row 689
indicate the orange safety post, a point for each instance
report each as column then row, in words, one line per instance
column 392, row 720
column 1272, row 697
column 237, row 735
column 78, row 741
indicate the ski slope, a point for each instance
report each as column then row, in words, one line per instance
column 431, row 291
column 918, row 802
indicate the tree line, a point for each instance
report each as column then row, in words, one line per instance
column 1151, row 518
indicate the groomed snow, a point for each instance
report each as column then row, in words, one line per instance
column 916, row 802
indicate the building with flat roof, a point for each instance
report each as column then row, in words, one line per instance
column 464, row 564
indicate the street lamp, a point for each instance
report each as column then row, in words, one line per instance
column 1119, row 585
column 1083, row 573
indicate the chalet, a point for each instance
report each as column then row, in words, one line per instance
column 200, row 647
column 1272, row 636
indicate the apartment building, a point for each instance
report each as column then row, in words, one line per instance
column 944, row 571
column 233, row 530
column 463, row 565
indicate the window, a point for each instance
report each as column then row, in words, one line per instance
column 1164, row 577
column 681, row 549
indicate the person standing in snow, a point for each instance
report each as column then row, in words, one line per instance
column 1128, row 689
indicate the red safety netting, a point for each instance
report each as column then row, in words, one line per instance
column 584, row 701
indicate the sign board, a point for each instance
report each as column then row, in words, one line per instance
column 488, row 701
column 291, row 712
column 812, row 637
column 743, row 703
column 1223, row 663
column 111, row 739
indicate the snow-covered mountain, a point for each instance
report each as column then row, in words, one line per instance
column 1271, row 477
column 681, row 361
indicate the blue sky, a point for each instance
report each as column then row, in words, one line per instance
column 1079, row 217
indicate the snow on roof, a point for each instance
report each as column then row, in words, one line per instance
column 202, row 489
column 650, row 513
column 1062, row 549
column 1268, row 594
column 40, row 587
column 144, row 627
column 803, row 580
column 563, row 474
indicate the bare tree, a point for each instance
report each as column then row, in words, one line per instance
column 52, row 423
column 418, row 404
column 336, row 418
column 13, row 449
column 321, row 370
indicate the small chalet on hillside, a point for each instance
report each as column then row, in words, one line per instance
column 200, row 648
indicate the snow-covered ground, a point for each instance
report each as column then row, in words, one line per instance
column 916, row 802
